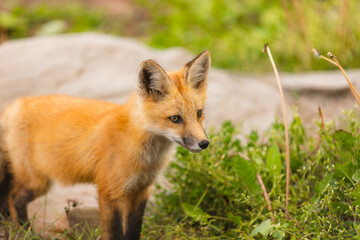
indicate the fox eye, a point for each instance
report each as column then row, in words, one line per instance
column 175, row 119
column 199, row 113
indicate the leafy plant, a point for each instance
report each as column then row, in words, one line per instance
column 215, row 194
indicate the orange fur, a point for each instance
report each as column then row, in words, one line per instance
column 121, row 148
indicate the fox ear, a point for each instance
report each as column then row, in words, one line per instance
column 197, row 70
column 153, row 80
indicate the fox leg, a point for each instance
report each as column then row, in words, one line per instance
column 111, row 219
column 134, row 209
column 122, row 219
column 21, row 194
column 18, row 200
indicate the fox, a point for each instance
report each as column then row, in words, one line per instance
column 120, row 148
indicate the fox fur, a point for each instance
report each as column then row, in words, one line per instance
column 120, row 148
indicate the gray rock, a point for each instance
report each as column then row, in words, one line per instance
column 319, row 81
column 101, row 66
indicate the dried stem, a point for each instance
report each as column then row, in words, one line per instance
column 300, row 18
column 335, row 62
column 266, row 196
column 45, row 205
column 244, row 156
column 353, row 90
column 322, row 128
column 343, row 18
column 322, row 119
column 267, row 50
column 287, row 15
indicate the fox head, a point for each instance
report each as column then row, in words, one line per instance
column 173, row 103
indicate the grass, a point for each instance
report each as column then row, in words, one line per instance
column 216, row 195
column 8, row 230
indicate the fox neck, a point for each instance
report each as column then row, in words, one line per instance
column 155, row 147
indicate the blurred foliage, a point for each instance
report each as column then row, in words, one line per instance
column 216, row 195
column 20, row 20
column 235, row 31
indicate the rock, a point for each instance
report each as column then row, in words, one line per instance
column 319, row 81
column 101, row 66
column 82, row 220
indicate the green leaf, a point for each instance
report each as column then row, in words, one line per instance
column 263, row 228
column 246, row 171
column 236, row 219
column 273, row 159
column 320, row 187
column 278, row 234
column 195, row 212
column 345, row 170
column 356, row 176
column 344, row 140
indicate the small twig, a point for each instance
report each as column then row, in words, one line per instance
column 322, row 126
column 267, row 50
column 346, row 77
column 71, row 204
column 343, row 18
column 244, row 156
column 45, row 204
column 299, row 13
column 322, row 119
column 287, row 12
column 319, row 55
column 296, row 222
column 335, row 62
column 265, row 195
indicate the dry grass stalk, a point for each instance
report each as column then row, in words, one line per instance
column 287, row 12
column 332, row 59
column 322, row 119
column 299, row 12
column 267, row 50
column 322, row 128
column 266, row 196
column 45, row 205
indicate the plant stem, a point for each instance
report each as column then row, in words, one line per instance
column 335, row 62
column 352, row 88
column 266, row 196
column 322, row 126
column 267, row 50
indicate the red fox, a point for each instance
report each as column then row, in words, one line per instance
column 121, row 148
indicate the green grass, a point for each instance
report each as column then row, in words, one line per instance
column 8, row 230
column 216, row 195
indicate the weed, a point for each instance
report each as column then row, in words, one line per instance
column 216, row 195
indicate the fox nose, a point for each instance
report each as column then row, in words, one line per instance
column 203, row 144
